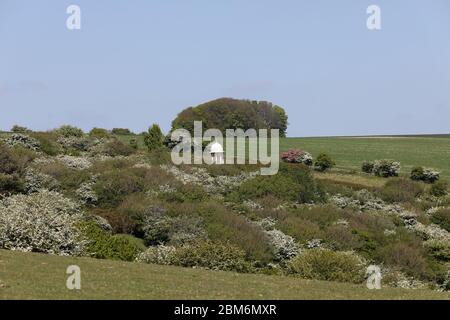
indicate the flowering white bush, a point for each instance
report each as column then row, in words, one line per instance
column 35, row 180
column 41, row 222
column 386, row 168
column 430, row 175
column 77, row 163
column 284, row 245
column 23, row 140
column 158, row 255
column 77, row 143
column 86, row 193
column 314, row 244
column 212, row 185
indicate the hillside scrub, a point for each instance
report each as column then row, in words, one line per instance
column 112, row 201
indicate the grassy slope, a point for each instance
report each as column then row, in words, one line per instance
column 37, row 276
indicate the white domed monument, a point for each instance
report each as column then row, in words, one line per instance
column 216, row 153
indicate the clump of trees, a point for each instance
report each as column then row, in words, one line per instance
column 227, row 113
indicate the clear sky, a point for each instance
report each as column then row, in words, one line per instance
column 138, row 62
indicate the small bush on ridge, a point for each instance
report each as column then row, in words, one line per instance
column 323, row 162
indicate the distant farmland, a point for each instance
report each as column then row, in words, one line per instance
column 350, row 152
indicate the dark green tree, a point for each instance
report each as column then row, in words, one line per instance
column 154, row 138
column 227, row 113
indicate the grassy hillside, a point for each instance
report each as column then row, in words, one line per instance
column 36, row 276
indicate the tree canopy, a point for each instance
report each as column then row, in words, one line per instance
column 227, row 113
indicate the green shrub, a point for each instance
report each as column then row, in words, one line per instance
column 8, row 161
column 386, row 168
column 340, row 237
column 367, row 167
column 323, row 264
column 121, row 131
column 417, row 174
column 401, row 190
column 11, row 183
column 159, row 228
column 293, row 182
column 323, row 162
column 99, row 133
column 224, row 225
column 103, row 245
column 47, row 143
column 185, row 193
column 133, row 143
column 19, row 129
column 408, row 256
column 299, row 228
column 154, row 139
column 212, row 255
column 68, row 131
column 424, row 174
column 438, row 249
column 442, row 218
column 117, row 148
column 113, row 186
column 439, row 189
column 68, row 178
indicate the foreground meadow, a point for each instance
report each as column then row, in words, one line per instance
column 39, row 276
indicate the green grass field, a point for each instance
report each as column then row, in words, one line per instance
column 38, row 276
column 349, row 153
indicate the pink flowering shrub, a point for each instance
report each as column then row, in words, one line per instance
column 297, row 156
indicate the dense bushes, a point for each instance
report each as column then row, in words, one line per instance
column 121, row 131
column 68, row 131
column 223, row 225
column 382, row 168
column 47, row 142
column 13, row 162
column 205, row 254
column 41, row 222
column 401, row 190
column 116, row 148
column 103, row 245
column 409, row 256
column 424, row 174
column 159, row 228
column 442, row 218
column 323, row 264
column 439, row 189
column 367, row 167
column 112, row 186
column 293, row 182
column 99, row 133
column 386, row 168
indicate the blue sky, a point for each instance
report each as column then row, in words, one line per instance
column 138, row 62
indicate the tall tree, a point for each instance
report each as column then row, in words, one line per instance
column 154, row 138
